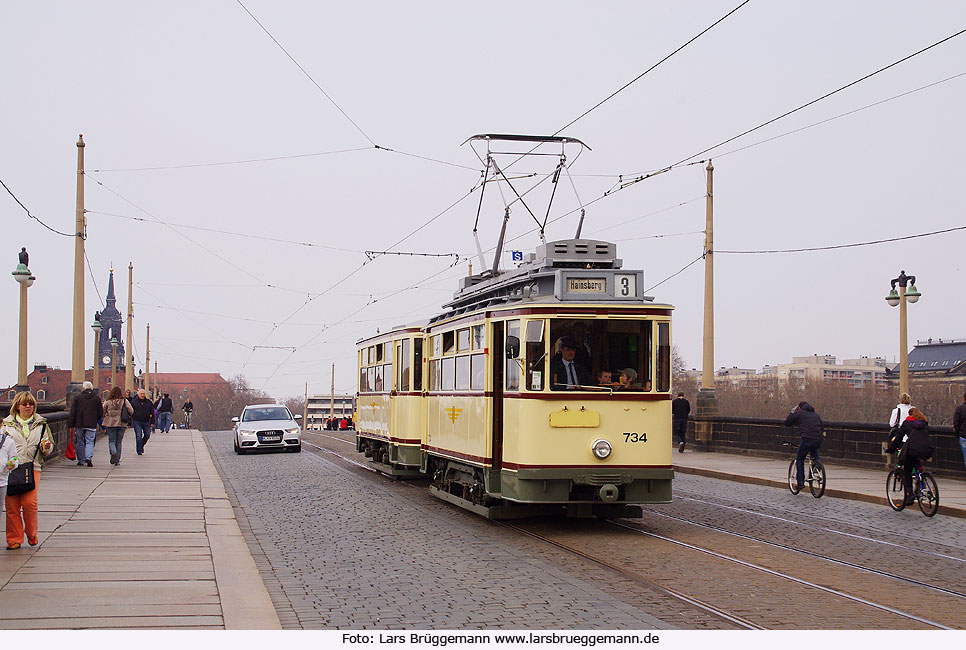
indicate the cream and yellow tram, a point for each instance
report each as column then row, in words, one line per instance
column 546, row 389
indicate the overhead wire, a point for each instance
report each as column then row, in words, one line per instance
column 825, row 96
column 638, row 77
column 29, row 214
column 839, row 246
column 230, row 162
column 305, row 72
column 234, row 233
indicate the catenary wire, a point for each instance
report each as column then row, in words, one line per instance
column 299, row 66
column 635, row 79
column 32, row 216
column 839, row 246
column 825, row 96
column 230, row 162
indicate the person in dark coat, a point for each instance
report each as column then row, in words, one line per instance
column 959, row 425
column 916, row 448
column 143, row 411
column 86, row 411
column 811, row 430
column 164, row 407
column 565, row 374
column 680, row 409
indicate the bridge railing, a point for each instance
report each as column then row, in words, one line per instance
column 861, row 444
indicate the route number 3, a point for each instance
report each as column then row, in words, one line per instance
column 626, row 286
column 635, row 437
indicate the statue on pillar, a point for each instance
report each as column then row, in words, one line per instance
column 24, row 258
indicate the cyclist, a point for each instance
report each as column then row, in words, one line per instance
column 811, row 429
column 898, row 416
column 187, row 408
column 916, row 448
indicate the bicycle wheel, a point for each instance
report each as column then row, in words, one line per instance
column 792, row 480
column 928, row 495
column 895, row 493
column 817, row 482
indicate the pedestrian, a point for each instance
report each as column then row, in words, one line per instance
column 343, row 424
column 812, row 432
column 680, row 409
column 116, row 411
column 164, row 407
column 916, row 448
column 86, row 411
column 143, row 410
column 959, row 425
column 34, row 442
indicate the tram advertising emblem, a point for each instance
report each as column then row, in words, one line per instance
column 454, row 413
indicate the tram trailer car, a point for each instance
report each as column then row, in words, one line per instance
column 512, row 400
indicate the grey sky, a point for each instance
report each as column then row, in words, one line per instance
column 167, row 84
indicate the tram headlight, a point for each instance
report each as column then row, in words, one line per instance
column 601, row 448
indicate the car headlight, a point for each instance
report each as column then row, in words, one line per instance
column 601, row 449
column 291, row 431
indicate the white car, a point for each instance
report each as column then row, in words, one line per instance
column 267, row 426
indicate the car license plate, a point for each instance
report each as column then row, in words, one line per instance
column 271, row 439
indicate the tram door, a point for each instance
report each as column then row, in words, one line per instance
column 498, row 360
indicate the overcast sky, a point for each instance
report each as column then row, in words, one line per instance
column 180, row 86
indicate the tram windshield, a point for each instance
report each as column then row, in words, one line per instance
column 597, row 354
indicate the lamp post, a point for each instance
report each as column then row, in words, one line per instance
column 900, row 298
column 22, row 275
column 114, row 343
column 96, row 326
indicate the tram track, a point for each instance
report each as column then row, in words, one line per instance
column 827, row 558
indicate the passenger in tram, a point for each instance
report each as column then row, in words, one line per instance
column 628, row 380
column 605, row 378
column 565, row 374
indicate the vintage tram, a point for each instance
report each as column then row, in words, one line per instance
column 542, row 389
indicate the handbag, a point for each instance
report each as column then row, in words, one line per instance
column 21, row 480
column 69, row 453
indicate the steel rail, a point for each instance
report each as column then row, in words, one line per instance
column 716, row 611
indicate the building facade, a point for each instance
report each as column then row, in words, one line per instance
column 320, row 407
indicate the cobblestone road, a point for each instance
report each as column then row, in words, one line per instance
column 341, row 547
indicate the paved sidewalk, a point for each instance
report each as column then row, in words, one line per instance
column 151, row 543
column 843, row 482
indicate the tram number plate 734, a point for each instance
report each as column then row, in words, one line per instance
column 635, row 437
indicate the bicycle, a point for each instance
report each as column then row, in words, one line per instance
column 187, row 419
column 815, row 475
column 924, row 490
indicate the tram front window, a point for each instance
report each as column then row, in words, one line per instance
column 599, row 354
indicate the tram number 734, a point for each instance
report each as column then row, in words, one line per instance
column 635, row 437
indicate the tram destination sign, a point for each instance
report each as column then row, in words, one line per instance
column 586, row 285
column 598, row 285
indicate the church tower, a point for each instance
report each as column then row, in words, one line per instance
column 111, row 323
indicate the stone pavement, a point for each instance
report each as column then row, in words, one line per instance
column 149, row 544
column 844, row 482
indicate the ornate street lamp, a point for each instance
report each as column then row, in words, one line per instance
column 114, row 343
column 900, row 298
column 96, row 326
column 22, row 275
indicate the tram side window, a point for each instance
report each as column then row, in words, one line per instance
column 371, row 378
column 512, row 365
column 477, row 371
column 479, row 340
column 437, row 350
column 434, row 374
column 402, row 355
column 663, row 360
column 363, row 381
column 449, row 342
column 377, row 384
column 463, row 340
column 448, row 374
column 463, row 372
column 418, row 364
column 536, row 354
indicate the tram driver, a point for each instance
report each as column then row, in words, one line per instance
column 565, row 373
